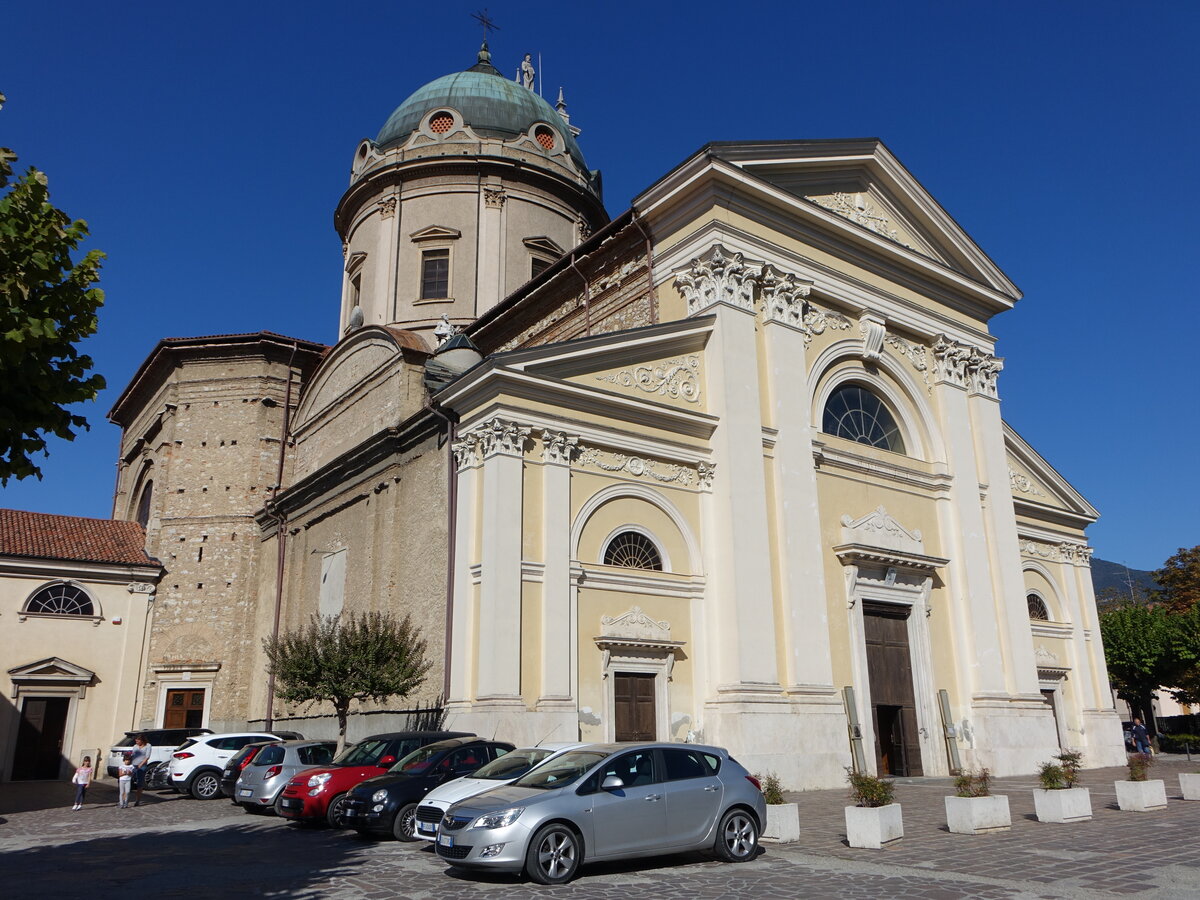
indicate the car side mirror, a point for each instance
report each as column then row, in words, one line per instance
column 385, row 761
column 611, row 783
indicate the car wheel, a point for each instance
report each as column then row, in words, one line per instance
column 278, row 807
column 205, row 786
column 333, row 815
column 554, row 855
column 737, row 837
column 405, row 826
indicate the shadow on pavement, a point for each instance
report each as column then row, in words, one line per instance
column 27, row 796
column 193, row 864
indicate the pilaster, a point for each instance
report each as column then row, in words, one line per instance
column 490, row 251
column 557, row 645
column 383, row 303
column 462, row 618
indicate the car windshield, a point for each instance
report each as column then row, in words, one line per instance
column 419, row 761
column 270, row 755
column 511, row 765
column 364, row 753
column 562, row 770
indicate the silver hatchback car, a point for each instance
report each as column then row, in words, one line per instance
column 608, row 801
column 272, row 768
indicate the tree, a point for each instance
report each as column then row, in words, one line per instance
column 47, row 305
column 1138, row 647
column 1179, row 580
column 340, row 659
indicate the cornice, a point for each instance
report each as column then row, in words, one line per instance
column 828, row 456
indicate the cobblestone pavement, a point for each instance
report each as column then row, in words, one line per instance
column 173, row 846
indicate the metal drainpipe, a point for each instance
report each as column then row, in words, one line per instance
column 653, row 292
column 280, row 534
column 451, row 538
column 587, row 297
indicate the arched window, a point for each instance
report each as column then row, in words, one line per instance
column 143, row 508
column 1037, row 608
column 633, row 551
column 61, row 599
column 854, row 413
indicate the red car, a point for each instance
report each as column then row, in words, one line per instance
column 321, row 793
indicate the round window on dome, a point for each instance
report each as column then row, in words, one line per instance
column 441, row 122
column 545, row 137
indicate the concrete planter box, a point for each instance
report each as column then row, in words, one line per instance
column 977, row 815
column 783, row 823
column 872, row 828
column 1189, row 785
column 1068, row 805
column 1142, row 796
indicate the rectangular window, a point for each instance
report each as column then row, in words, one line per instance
column 435, row 274
column 331, row 598
column 355, row 290
column 538, row 266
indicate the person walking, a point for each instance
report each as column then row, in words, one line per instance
column 1141, row 737
column 141, row 759
column 124, row 777
column 81, row 779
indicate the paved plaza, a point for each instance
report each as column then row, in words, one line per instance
column 174, row 846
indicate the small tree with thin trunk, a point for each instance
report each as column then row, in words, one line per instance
column 340, row 659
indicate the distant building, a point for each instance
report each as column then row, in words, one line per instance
column 75, row 600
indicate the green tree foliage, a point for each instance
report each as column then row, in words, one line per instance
column 1179, row 580
column 340, row 659
column 47, row 305
column 1150, row 647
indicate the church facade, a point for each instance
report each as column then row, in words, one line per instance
column 729, row 467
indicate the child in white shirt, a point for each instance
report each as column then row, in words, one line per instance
column 124, row 777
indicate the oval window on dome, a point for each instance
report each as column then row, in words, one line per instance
column 545, row 137
column 441, row 122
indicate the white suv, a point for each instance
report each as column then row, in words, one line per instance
column 197, row 763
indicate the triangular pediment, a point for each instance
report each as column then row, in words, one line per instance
column 435, row 233
column 1037, row 486
column 543, row 244
column 52, row 668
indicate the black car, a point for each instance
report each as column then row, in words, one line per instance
column 236, row 763
column 158, row 776
column 387, row 804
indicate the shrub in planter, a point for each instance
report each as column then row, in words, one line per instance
column 1140, row 793
column 1059, row 800
column 875, row 820
column 783, row 819
column 973, row 809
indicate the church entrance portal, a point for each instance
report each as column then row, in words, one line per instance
column 633, row 702
column 893, row 706
column 184, row 709
column 39, row 747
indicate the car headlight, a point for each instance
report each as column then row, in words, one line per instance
column 379, row 796
column 317, row 781
column 501, row 819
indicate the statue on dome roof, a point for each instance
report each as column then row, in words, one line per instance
column 526, row 74
column 445, row 329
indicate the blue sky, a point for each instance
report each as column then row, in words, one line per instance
column 207, row 144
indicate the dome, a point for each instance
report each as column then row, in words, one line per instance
column 492, row 105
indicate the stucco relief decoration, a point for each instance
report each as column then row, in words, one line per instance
column 1041, row 550
column 873, row 331
column 501, row 436
column 466, row 451
column 637, row 466
column 718, row 277
column 494, row 198
column 140, row 587
column 914, row 353
column 1045, row 656
column 879, row 529
column 635, row 625
column 984, row 373
column 784, row 297
column 860, row 210
column 678, row 379
column 1023, row 483
column 706, row 472
column 966, row 366
column 387, row 207
column 1079, row 554
column 559, row 448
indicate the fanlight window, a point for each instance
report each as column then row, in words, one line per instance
column 61, row 600
column 854, row 413
column 1037, row 608
column 633, row 551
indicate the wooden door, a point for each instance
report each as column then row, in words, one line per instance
column 39, row 750
column 893, row 704
column 185, row 709
column 633, row 698
column 1048, row 699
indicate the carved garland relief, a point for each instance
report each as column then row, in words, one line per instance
column 1065, row 551
column 678, row 378
column 860, row 210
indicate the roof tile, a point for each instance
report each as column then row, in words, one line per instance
column 46, row 536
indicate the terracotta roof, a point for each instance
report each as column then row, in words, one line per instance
column 45, row 536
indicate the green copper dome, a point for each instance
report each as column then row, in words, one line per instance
column 492, row 105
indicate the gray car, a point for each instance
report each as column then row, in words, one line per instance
column 273, row 766
column 608, row 801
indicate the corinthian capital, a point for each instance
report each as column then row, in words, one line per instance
column 498, row 436
column 717, row 277
column 466, row 450
column 784, row 297
column 966, row 366
column 559, row 448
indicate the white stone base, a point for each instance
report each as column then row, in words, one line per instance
column 1070, row 805
column 977, row 815
column 872, row 828
column 1105, row 744
column 783, row 823
column 1010, row 736
column 1142, row 796
column 1189, row 785
column 514, row 722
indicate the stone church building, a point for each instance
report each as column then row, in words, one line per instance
column 728, row 467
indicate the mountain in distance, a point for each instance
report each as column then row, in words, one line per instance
column 1116, row 578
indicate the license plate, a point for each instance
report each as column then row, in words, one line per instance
column 446, row 840
column 244, row 793
column 426, row 827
